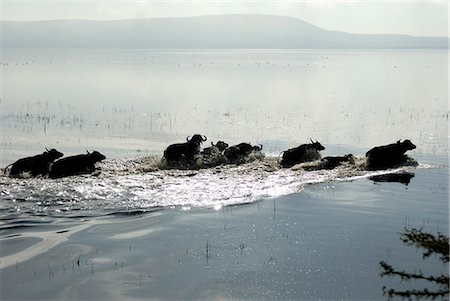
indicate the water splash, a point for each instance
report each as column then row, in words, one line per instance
column 139, row 184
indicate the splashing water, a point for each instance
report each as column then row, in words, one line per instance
column 138, row 184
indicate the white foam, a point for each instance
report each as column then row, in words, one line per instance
column 139, row 184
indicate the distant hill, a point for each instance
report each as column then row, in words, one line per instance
column 221, row 31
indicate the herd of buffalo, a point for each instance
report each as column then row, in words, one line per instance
column 187, row 155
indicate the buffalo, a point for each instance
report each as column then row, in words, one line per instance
column 238, row 154
column 35, row 165
column 303, row 153
column 332, row 162
column 183, row 154
column 214, row 149
column 75, row 165
column 213, row 155
column 388, row 156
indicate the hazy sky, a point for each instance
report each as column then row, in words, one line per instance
column 424, row 18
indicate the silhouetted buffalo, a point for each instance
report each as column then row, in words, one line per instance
column 75, row 165
column 237, row 154
column 333, row 162
column 213, row 155
column 182, row 154
column 36, row 165
column 219, row 147
column 387, row 156
column 303, row 153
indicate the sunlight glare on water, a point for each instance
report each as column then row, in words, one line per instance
column 131, row 189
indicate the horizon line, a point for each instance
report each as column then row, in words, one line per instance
column 217, row 15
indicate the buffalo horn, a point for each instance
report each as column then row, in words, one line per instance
column 260, row 146
column 204, row 138
column 187, row 138
column 311, row 140
column 213, row 144
column 88, row 152
column 47, row 149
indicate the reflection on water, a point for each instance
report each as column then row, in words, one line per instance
column 402, row 177
column 430, row 244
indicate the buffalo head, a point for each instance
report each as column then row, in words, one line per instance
column 53, row 153
column 258, row 148
column 220, row 145
column 406, row 144
column 197, row 138
column 96, row 156
column 316, row 145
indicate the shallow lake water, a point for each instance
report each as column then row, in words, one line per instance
column 253, row 231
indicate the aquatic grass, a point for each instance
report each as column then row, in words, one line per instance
column 207, row 252
column 242, row 247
